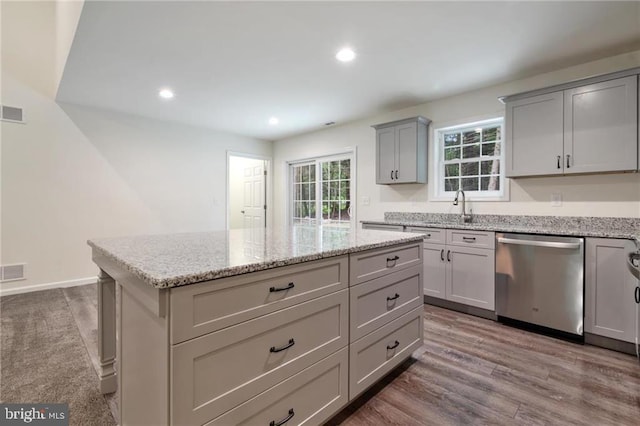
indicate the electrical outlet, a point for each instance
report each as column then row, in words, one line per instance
column 366, row 201
column 556, row 199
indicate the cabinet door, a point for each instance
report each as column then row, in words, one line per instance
column 434, row 270
column 406, row 152
column 534, row 136
column 471, row 276
column 386, row 155
column 609, row 295
column 601, row 125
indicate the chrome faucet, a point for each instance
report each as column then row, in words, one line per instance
column 464, row 217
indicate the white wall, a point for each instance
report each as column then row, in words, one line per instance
column 595, row 195
column 73, row 173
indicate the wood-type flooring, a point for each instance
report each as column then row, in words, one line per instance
column 473, row 371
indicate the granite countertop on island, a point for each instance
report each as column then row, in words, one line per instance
column 602, row 227
column 172, row 260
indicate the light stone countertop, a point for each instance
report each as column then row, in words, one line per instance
column 602, row 227
column 172, row 260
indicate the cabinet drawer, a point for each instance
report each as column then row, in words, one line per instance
column 379, row 301
column 216, row 372
column 310, row 397
column 477, row 239
column 370, row 359
column 431, row 235
column 383, row 227
column 377, row 263
column 202, row 308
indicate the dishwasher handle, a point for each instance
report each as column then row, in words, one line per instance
column 548, row 244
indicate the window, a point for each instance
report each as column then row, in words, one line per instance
column 321, row 191
column 470, row 157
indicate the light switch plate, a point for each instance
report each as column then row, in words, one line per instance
column 366, row 201
column 556, row 199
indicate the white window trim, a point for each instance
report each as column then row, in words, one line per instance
column 346, row 152
column 438, row 166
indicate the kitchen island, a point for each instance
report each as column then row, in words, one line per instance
column 251, row 326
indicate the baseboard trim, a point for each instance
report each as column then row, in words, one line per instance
column 465, row 309
column 47, row 286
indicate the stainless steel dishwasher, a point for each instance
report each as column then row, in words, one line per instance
column 540, row 280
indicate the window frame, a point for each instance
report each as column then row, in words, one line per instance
column 438, row 163
column 347, row 154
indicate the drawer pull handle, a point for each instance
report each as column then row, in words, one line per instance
column 389, row 299
column 283, row 421
column 396, row 174
column 568, row 161
column 395, row 345
column 448, row 255
column 391, row 174
column 392, row 259
column 637, row 294
column 559, row 157
column 428, row 236
column 468, row 239
column 287, row 346
column 442, row 255
column 275, row 289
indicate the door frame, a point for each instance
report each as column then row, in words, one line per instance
column 351, row 151
column 267, row 184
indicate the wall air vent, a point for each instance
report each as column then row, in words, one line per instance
column 11, row 114
column 12, row 272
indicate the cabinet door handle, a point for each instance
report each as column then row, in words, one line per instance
column 442, row 255
column 559, row 158
column 393, row 298
column 637, row 294
column 427, row 235
column 283, row 421
column 468, row 239
column 287, row 346
column 275, row 289
column 568, row 161
column 391, row 174
column 448, row 255
column 396, row 175
column 395, row 345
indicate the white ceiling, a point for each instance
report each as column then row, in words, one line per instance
column 233, row 65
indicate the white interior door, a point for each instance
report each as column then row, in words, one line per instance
column 253, row 205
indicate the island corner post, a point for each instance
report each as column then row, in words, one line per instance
column 107, row 332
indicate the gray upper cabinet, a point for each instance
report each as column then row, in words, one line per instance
column 589, row 126
column 401, row 151
column 600, row 127
column 534, row 136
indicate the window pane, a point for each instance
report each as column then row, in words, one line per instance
column 345, row 169
column 472, row 151
column 305, row 191
column 451, row 139
column 325, row 210
column 312, row 173
column 451, row 184
column 325, row 171
column 325, row 190
column 490, row 183
column 334, row 212
column 470, row 184
column 304, row 176
column 312, row 210
column 296, row 174
column 451, row 170
column 491, row 134
column 312, row 191
column 490, row 167
column 451, row 153
column 469, row 169
column 488, row 149
column 345, row 190
column 333, row 190
column 470, row 137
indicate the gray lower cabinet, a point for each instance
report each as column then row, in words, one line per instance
column 401, row 151
column 582, row 129
column 463, row 269
column 610, row 308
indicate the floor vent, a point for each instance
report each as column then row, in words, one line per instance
column 11, row 114
column 12, row 272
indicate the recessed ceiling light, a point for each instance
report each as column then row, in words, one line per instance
column 166, row 93
column 273, row 121
column 345, row 55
